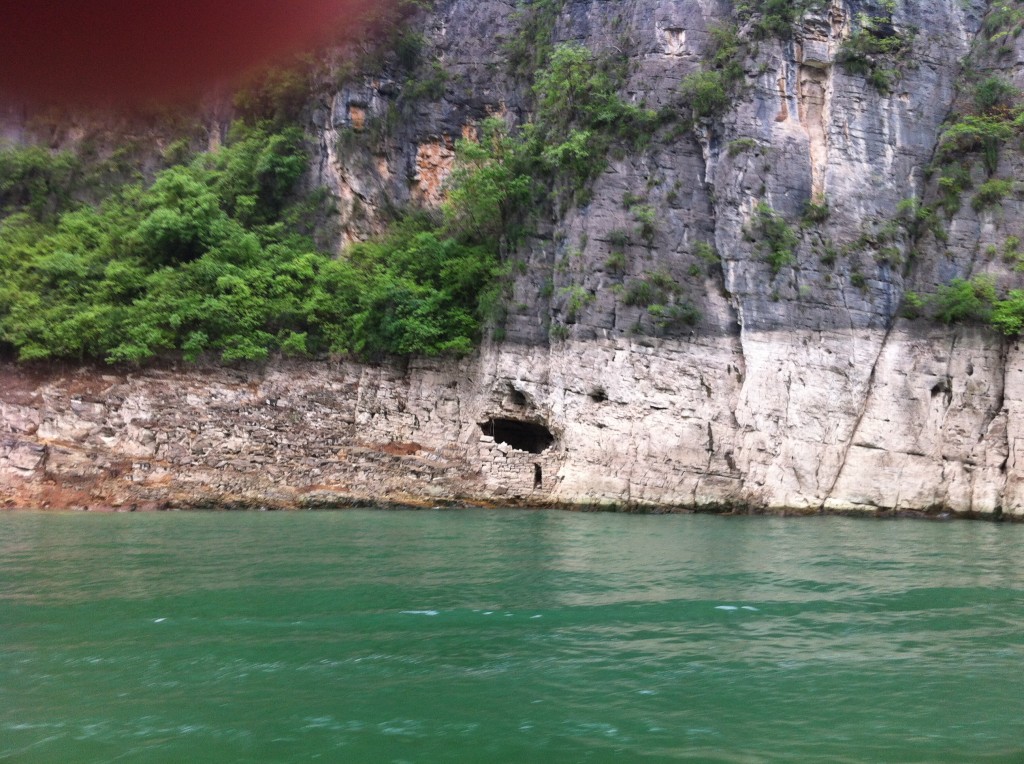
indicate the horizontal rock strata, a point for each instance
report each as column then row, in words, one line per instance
column 842, row 421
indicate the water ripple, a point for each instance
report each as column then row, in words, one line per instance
column 507, row 636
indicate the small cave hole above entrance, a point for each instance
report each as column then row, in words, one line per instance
column 522, row 436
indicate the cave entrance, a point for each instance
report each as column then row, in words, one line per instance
column 522, row 436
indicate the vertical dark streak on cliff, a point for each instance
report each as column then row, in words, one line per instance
column 1000, row 409
column 868, row 389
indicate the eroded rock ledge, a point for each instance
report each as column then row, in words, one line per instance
column 861, row 421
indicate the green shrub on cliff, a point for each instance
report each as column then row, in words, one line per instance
column 710, row 92
column 487, row 188
column 994, row 94
column 965, row 300
column 206, row 260
column 578, row 117
column 877, row 51
column 422, row 293
column 970, row 300
column 1003, row 20
column 528, row 49
column 1008, row 314
column 983, row 134
column 37, row 181
column 991, row 193
column 775, row 18
column 775, row 239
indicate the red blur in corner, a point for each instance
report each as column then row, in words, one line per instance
column 111, row 52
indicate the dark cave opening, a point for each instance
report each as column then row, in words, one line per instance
column 522, row 436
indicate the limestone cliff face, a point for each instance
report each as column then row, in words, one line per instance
column 800, row 387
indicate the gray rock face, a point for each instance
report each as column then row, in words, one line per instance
column 799, row 388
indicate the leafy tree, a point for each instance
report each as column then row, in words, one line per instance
column 424, row 293
column 487, row 190
column 1008, row 315
column 963, row 300
column 710, row 91
column 200, row 262
column 578, row 116
column 36, row 180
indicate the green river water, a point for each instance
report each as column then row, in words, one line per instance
column 508, row 636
